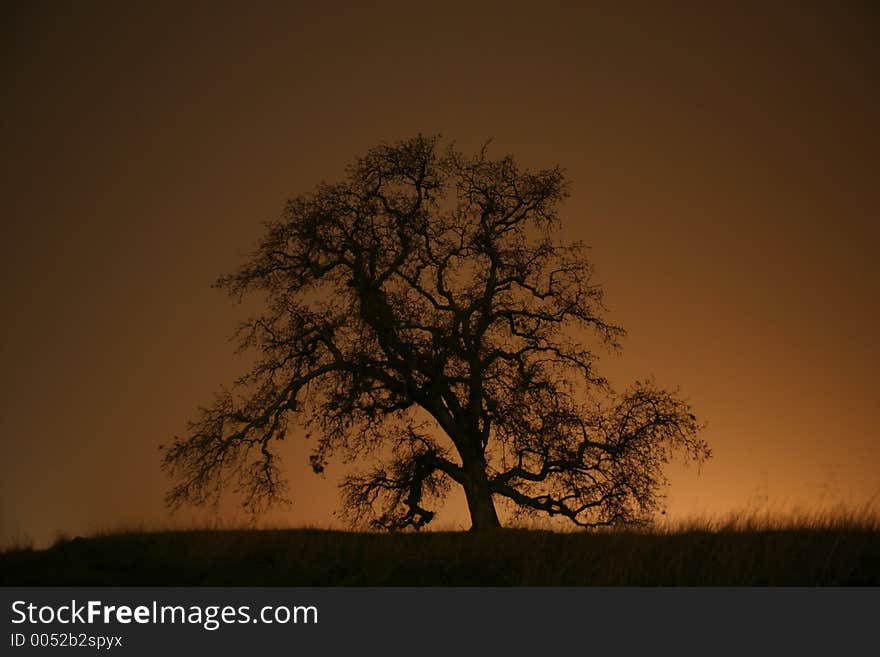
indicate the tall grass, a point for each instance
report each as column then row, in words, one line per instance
column 18, row 543
column 839, row 548
column 838, row 518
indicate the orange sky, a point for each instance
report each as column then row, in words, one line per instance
column 723, row 168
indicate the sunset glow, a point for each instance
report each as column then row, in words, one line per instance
column 722, row 169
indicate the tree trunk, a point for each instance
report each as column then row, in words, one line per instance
column 480, row 503
column 475, row 482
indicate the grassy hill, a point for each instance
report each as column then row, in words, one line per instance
column 832, row 555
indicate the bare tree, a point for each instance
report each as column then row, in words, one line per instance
column 425, row 314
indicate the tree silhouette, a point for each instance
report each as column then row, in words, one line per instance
column 424, row 314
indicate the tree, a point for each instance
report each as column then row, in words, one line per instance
column 425, row 313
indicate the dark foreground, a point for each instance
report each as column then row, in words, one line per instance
column 823, row 557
